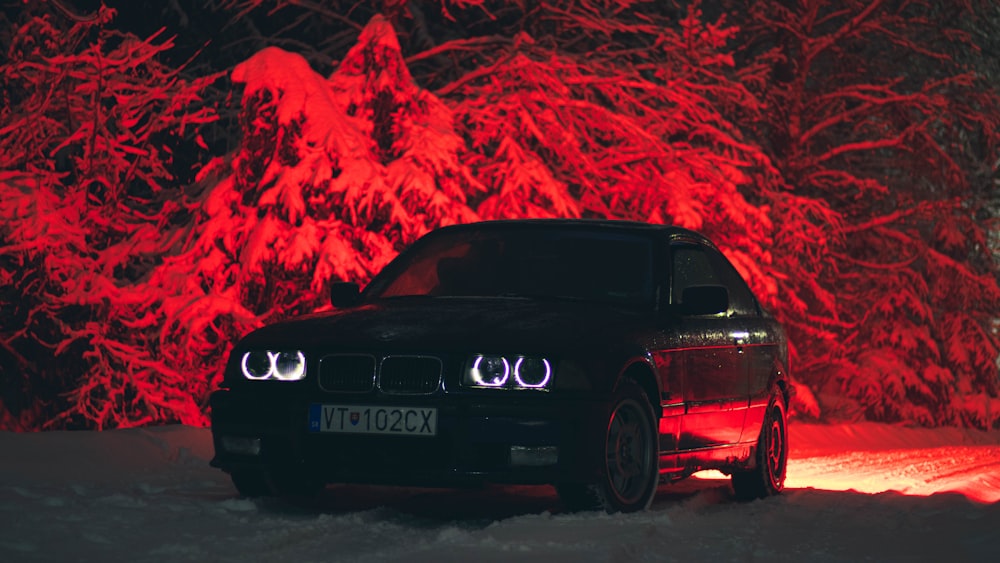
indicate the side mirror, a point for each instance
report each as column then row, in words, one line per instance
column 704, row 300
column 344, row 294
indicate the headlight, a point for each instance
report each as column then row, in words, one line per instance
column 532, row 373
column 283, row 365
column 256, row 365
column 508, row 372
column 489, row 371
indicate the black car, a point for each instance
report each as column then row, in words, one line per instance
column 601, row 357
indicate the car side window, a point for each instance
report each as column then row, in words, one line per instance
column 690, row 267
column 742, row 303
column 693, row 265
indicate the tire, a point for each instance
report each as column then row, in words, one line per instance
column 767, row 478
column 263, row 483
column 630, row 468
column 250, row 484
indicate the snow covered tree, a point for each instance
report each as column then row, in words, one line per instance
column 89, row 122
column 334, row 176
column 601, row 109
column 881, row 242
column 594, row 108
column 843, row 155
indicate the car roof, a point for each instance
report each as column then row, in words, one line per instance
column 670, row 231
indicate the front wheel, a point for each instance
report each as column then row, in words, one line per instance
column 631, row 458
column 250, row 484
column 267, row 483
column 768, row 477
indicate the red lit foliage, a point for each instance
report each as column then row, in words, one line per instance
column 885, row 143
column 567, row 118
column 333, row 188
column 840, row 187
column 333, row 177
column 88, row 204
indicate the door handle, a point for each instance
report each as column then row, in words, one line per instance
column 739, row 340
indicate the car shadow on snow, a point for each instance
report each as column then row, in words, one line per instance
column 473, row 507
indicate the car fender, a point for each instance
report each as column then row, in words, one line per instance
column 642, row 371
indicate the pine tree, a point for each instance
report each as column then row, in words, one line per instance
column 882, row 248
column 334, row 176
column 89, row 123
column 596, row 109
column 843, row 155
column 333, row 188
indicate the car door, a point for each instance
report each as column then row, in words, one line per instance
column 712, row 348
column 764, row 358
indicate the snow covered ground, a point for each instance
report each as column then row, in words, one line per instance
column 855, row 493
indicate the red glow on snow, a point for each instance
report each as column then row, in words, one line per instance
column 872, row 459
column 921, row 472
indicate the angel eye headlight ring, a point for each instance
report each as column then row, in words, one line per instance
column 281, row 365
column 289, row 366
column 511, row 372
column 256, row 365
column 490, row 371
column 532, row 373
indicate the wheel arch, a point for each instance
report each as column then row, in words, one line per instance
column 643, row 374
column 781, row 384
column 786, row 391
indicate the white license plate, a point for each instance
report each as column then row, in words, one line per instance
column 373, row 419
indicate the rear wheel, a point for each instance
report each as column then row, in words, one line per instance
column 631, row 458
column 768, row 477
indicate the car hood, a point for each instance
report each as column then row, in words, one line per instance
column 442, row 324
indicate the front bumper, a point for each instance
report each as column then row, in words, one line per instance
column 515, row 439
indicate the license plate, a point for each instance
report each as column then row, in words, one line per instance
column 373, row 419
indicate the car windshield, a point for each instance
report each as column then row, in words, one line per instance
column 537, row 263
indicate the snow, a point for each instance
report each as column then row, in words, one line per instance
column 854, row 492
